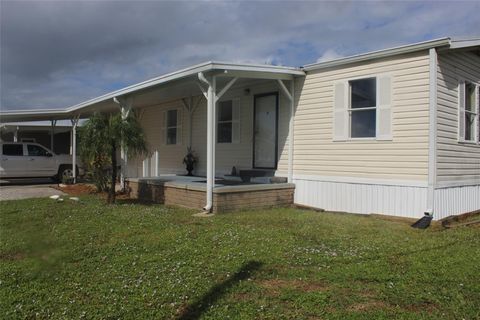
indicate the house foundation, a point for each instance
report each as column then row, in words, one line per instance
column 190, row 192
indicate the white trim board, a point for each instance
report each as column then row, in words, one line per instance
column 432, row 130
column 357, row 180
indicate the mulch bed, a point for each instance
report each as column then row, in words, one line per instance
column 80, row 189
column 77, row 189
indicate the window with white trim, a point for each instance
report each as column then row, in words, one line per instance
column 228, row 121
column 225, row 122
column 471, row 112
column 171, row 127
column 363, row 107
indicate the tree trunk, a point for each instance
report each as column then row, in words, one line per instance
column 111, row 192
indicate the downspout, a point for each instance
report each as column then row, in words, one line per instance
column 210, row 130
column 432, row 137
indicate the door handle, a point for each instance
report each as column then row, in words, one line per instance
column 31, row 159
column 4, row 159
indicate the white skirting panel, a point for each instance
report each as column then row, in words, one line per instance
column 364, row 198
column 456, row 200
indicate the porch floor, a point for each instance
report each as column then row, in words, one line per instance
column 228, row 194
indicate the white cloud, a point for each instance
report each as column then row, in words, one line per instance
column 56, row 54
column 328, row 55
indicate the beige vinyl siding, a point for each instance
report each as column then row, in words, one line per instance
column 239, row 154
column 405, row 157
column 456, row 162
column 227, row 154
column 170, row 156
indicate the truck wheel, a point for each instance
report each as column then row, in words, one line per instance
column 65, row 172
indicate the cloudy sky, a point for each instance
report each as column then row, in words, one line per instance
column 55, row 54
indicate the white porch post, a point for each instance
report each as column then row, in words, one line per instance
column 291, row 97
column 210, row 143
column 123, row 153
column 210, row 95
column 291, row 131
column 74, row 148
column 212, row 99
column 125, row 108
column 15, row 135
column 52, row 134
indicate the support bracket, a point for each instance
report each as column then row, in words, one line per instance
column 227, row 86
column 285, row 90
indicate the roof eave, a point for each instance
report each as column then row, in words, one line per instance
column 380, row 54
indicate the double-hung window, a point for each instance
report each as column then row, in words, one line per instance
column 228, row 121
column 225, row 122
column 363, row 107
column 171, row 127
column 469, row 112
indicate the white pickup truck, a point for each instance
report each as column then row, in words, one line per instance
column 32, row 160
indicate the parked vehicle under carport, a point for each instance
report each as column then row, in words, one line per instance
column 32, row 160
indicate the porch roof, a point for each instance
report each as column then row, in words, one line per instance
column 173, row 85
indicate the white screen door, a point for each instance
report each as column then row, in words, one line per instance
column 265, row 139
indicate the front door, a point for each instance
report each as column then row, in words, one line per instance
column 265, row 134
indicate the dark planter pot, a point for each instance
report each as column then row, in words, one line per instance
column 189, row 169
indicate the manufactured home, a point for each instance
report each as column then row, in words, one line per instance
column 392, row 132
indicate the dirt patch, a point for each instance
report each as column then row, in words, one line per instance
column 241, row 296
column 470, row 219
column 274, row 286
column 11, row 256
column 422, row 307
column 369, row 305
column 77, row 189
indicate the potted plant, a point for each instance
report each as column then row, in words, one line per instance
column 189, row 160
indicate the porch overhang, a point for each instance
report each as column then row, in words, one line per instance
column 177, row 85
column 166, row 87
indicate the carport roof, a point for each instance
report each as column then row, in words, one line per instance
column 105, row 102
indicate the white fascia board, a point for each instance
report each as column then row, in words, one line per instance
column 466, row 43
column 34, row 115
column 34, row 112
column 257, row 68
column 380, row 54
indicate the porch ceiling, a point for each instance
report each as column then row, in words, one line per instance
column 182, row 83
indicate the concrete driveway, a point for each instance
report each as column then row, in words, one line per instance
column 27, row 188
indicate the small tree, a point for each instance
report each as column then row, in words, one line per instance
column 100, row 139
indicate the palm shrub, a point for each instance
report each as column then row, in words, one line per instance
column 101, row 137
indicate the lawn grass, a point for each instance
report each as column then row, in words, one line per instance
column 132, row 261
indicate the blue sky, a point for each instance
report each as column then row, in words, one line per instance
column 57, row 54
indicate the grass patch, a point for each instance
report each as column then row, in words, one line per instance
column 133, row 261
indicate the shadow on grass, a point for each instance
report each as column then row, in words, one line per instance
column 197, row 308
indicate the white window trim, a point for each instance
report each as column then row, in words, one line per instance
column 476, row 136
column 171, row 127
column 350, row 109
column 219, row 122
